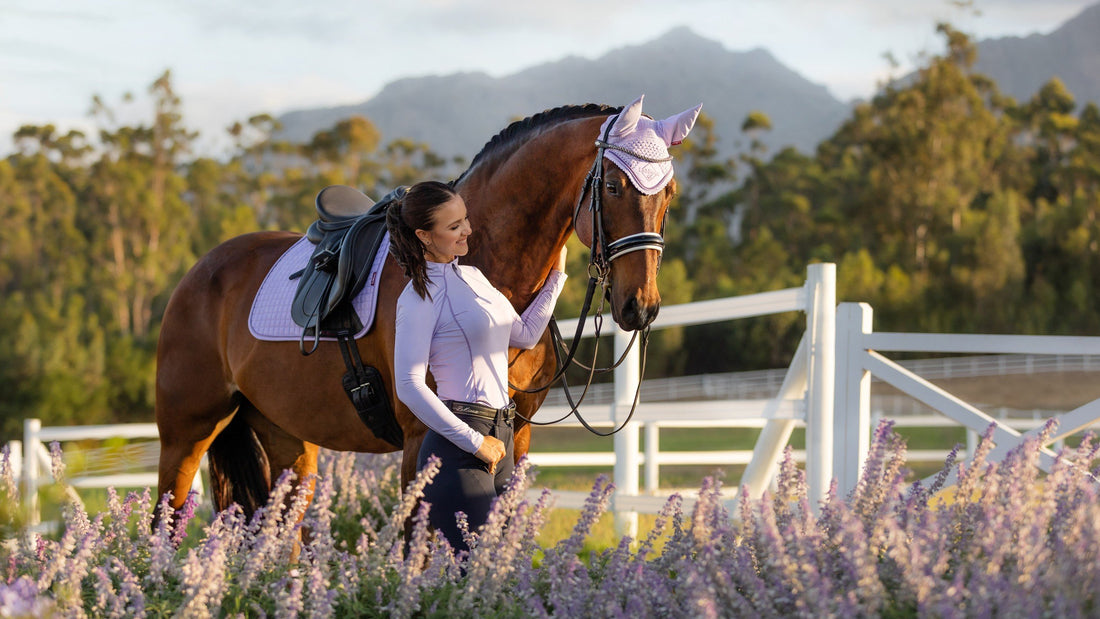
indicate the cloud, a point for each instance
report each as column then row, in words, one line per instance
column 503, row 16
column 211, row 107
column 327, row 20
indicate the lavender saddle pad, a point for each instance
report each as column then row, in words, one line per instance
column 270, row 318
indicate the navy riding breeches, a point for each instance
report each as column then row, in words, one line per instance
column 463, row 483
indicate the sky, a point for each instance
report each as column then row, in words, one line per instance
column 231, row 59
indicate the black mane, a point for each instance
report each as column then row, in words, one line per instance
column 519, row 130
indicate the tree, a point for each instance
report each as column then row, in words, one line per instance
column 139, row 225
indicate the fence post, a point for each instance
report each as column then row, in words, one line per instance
column 31, row 447
column 776, row 433
column 853, row 395
column 652, row 434
column 820, row 378
column 626, row 441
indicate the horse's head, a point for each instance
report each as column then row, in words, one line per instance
column 625, row 220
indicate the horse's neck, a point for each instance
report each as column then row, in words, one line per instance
column 524, row 209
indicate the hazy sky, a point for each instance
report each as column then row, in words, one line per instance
column 233, row 58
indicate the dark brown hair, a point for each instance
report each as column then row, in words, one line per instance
column 415, row 211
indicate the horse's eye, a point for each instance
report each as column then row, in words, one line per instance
column 612, row 188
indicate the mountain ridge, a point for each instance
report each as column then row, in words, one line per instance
column 457, row 113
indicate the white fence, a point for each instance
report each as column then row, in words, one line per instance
column 859, row 355
column 804, row 397
column 31, row 459
column 831, row 371
column 758, row 384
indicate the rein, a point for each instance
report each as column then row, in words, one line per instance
column 599, row 271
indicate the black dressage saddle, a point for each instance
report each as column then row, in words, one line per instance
column 347, row 233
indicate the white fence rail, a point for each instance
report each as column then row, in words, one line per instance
column 828, row 379
column 35, row 461
column 805, row 396
column 759, row 384
column 794, row 403
column 859, row 355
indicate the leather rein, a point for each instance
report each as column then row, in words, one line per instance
column 599, row 271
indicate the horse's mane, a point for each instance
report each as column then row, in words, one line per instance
column 520, row 131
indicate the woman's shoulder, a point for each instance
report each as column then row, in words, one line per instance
column 472, row 271
column 409, row 297
column 473, row 274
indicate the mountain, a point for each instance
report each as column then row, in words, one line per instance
column 457, row 114
column 1021, row 65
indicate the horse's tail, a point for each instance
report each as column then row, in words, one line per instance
column 239, row 470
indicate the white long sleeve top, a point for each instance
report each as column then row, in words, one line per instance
column 462, row 334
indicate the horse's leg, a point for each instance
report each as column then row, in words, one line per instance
column 195, row 399
column 540, row 365
column 522, row 438
column 182, row 445
column 285, row 452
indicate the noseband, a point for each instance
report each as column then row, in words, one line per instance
column 599, row 270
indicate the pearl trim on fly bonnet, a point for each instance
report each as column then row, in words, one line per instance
column 639, row 145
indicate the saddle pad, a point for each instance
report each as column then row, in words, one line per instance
column 270, row 318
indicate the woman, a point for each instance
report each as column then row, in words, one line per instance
column 451, row 320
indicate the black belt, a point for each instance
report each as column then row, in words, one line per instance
column 507, row 413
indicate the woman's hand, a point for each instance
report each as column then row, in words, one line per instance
column 560, row 265
column 491, row 451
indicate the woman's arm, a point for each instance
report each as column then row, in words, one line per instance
column 528, row 328
column 416, row 320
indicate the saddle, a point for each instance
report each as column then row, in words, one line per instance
column 347, row 233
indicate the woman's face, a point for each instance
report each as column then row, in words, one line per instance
column 448, row 235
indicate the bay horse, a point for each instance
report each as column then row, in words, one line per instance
column 261, row 407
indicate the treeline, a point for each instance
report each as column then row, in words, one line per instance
column 98, row 229
column 946, row 205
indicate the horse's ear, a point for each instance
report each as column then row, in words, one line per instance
column 674, row 129
column 628, row 118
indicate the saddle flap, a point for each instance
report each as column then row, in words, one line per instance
column 357, row 255
column 338, row 267
column 314, row 289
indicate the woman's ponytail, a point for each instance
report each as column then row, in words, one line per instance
column 406, row 248
column 415, row 210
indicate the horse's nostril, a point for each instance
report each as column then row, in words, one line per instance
column 630, row 313
column 637, row 316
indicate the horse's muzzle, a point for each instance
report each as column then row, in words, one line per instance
column 635, row 316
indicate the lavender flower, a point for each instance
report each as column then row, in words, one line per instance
column 21, row 598
column 1007, row 543
column 7, row 477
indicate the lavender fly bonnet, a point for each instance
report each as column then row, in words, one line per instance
column 639, row 145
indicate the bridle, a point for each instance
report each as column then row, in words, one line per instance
column 599, row 270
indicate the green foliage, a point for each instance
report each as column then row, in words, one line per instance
column 945, row 204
